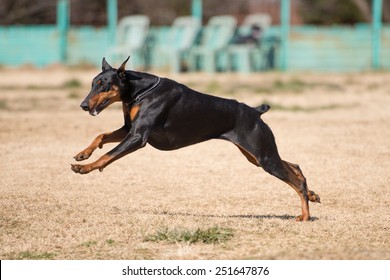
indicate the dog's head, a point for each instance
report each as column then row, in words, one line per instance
column 107, row 87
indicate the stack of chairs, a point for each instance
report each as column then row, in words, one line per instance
column 188, row 46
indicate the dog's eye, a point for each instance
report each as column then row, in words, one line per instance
column 98, row 84
column 105, row 85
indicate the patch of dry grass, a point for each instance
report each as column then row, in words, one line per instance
column 212, row 235
column 47, row 212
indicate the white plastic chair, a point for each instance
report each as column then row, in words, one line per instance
column 131, row 35
column 242, row 56
column 215, row 40
column 181, row 38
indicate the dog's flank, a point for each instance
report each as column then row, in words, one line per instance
column 169, row 115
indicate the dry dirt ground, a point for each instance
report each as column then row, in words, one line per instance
column 335, row 126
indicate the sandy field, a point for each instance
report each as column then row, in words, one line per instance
column 204, row 201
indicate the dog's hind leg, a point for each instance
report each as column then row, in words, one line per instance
column 259, row 148
column 295, row 178
column 287, row 172
column 312, row 196
column 290, row 174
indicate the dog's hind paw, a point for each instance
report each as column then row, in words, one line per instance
column 301, row 218
column 313, row 197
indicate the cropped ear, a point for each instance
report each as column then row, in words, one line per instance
column 121, row 70
column 105, row 65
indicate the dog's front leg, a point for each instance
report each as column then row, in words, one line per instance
column 110, row 137
column 130, row 144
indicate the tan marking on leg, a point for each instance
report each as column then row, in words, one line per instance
column 114, row 136
column 101, row 163
column 313, row 197
column 298, row 182
column 248, row 155
column 134, row 111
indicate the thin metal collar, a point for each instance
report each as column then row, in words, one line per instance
column 139, row 96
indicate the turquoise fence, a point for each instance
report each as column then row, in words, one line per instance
column 37, row 45
column 87, row 45
column 336, row 49
column 310, row 48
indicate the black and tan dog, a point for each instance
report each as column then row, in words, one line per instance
column 169, row 116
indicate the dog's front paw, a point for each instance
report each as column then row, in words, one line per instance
column 83, row 155
column 81, row 169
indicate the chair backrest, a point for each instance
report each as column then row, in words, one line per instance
column 261, row 20
column 219, row 32
column 183, row 32
column 132, row 31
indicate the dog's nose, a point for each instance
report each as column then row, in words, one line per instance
column 84, row 106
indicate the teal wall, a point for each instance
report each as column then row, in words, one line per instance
column 330, row 49
column 87, row 45
column 40, row 45
column 311, row 48
column 338, row 48
column 37, row 45
column 385, row 50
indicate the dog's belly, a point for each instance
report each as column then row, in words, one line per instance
column 168, row 145
column 167, row 139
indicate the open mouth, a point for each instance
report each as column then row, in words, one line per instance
column 100, row 107
column 104, row 104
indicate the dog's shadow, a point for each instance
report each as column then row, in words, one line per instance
column 256, row 217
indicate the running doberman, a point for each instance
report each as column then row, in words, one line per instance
column 169, row 116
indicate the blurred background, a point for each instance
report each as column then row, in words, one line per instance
column 198, row 35
column 322, row 65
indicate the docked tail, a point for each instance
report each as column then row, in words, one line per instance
column 263, row 108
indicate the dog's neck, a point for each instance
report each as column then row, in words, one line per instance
column 139, row 96
column 140, row 85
